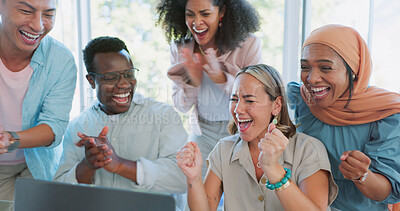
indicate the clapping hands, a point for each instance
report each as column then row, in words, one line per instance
column 99, row 153
column 195, row 66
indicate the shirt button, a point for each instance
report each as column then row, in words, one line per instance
column 260, row 198
column 263, row 180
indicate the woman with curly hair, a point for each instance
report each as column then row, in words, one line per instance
column 211, row 42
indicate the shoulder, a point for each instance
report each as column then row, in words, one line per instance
column 54, row 47
column 153, row 106
column 387, row 128
column 84, row 117
column 229, row 141
column 306, row 141
column 251, row 41
column 303, row 145
column 293, row 94
column 177, row 46
column 225, row 146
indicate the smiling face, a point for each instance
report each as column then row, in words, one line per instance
column 115, row 97
column 251, row 107
column 324, row 74
column 25, row 23
column 202, row 19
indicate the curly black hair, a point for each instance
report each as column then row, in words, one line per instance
column 240, row 19
column 101, row 45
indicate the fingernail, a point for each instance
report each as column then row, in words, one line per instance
column 342, row 157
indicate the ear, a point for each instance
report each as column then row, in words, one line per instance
column 222, row 12
column 277, row 105
column 91, row 81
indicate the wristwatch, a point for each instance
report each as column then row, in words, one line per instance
column 14, row 143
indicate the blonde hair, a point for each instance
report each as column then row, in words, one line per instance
column 272, row 81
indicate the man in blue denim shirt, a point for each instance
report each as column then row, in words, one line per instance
column 37, row 83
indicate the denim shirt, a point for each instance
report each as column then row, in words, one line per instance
column 48, row 101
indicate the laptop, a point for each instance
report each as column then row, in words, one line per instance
column 37, row 195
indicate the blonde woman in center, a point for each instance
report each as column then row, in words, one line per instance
column 267, row 165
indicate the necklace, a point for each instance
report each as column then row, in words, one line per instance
column 204, row 54
column 201, row 51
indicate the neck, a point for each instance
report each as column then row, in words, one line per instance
column 14, row 59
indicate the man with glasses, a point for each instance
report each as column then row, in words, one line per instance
column 124, row 140
column 37, row 83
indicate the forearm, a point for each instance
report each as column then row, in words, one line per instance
column 376, row 186
column 127, row 169
column 37, row 136
column 84, row 174
column 293, row 198
column 197, row 197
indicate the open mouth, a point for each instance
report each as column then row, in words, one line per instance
column 201, row 34
column 244, row 124
column 29, row 38
column 121, row 98
column 320, row 92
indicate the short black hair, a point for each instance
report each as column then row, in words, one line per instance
column 101, row 45
column 240, row 19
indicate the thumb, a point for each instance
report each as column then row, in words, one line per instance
column 345, row 155
column 103, row 132
column 197, row 153
column 271, row 127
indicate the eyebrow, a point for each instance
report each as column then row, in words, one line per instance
column 201, row 11
column 33, row 8
column 321, row 60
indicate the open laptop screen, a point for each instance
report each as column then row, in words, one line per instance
column 55, row 196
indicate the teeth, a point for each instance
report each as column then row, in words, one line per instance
column 122, row 95
column 32, row 36
column 245, row 120
column 318, row 89
column 199, row 31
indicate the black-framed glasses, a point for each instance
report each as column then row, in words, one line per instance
column 113, row 77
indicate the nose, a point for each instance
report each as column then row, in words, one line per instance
column 313, row 76
column 122, row 82
column 197, row 21
column 36, row 24
column 239, row 107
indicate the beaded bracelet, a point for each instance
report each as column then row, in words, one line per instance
column 284, row 183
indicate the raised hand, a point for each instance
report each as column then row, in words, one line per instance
column 193, row 67
column 213, row 68
column 189, row 160
column 97, row 154
column 271, row 148
column 354, row 164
